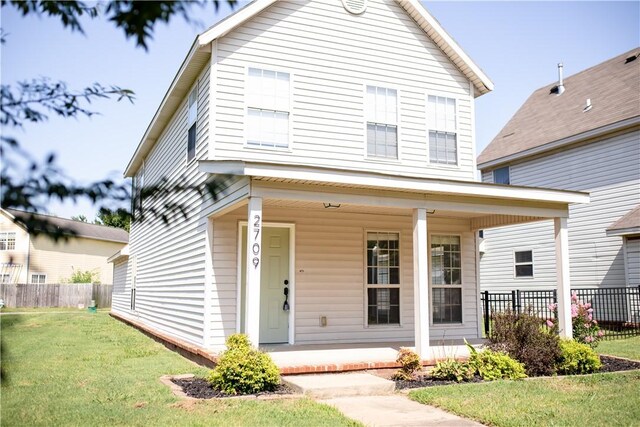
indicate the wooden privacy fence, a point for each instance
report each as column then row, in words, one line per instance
column 55, row 294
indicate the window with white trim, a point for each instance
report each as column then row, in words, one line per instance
column 383, row 278
column 501, row 176
column 446, row 279
column 137, row 184
column 443, row 136
column 5, row 278
column 268, row 108
column 382, row 122
column 192, row 119
column 39, row 278
column 7, row 241
column 523, row 263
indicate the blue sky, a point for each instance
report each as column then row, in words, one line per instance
column 517, row 44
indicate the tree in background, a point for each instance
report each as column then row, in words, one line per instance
column 33, row 186
column 84, row 276
column 119, row 218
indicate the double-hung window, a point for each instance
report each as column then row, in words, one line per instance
column 443, row 137
column 136, row 194
column 523, row 264
column 446, row 279
column 7, row 241
column 268, row 108
column 383, row 278
column 501, row 175
column 192, row 119
column 38, row 278
column 382, row 122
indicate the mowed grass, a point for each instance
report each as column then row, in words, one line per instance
column 89, row 369
column 596, row 400
column 600, row 399
column 629, row 348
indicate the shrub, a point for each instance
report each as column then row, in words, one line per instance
column 243, row 369
column 452, row 370
column 585, row 327
column 577, row 358
column 237, row 340
column 409, row 363
column 524, row 338
column 494, row 365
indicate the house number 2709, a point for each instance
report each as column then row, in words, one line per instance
column 255, row 249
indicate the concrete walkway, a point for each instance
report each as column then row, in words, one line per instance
column 395, row 410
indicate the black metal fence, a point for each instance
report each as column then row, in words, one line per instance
column 617, row 310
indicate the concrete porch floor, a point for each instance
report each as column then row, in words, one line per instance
column 310, row 358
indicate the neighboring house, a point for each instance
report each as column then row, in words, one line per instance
column 586, row 138
column 345, row 131
column 27, row 258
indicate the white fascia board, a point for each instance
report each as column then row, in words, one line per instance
column 450, row 43
column 233, row 20
column 147, row 143
column 594, row 133
column 122, row 253
column 623, row 231
column 377, row 180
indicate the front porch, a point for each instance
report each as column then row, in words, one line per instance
column 339, row 291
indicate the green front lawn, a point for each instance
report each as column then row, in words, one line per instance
column 84, row 369
column 629, row 348
column 600, row 399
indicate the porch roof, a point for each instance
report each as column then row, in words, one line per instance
column 296, row 174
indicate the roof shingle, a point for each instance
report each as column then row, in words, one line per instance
column 613, row 88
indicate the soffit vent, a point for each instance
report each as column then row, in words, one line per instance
column 355, row 7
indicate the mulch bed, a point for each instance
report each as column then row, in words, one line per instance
column 613, row 364
column 200, row 388
column 609, row 364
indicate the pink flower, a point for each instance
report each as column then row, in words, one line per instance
column 574, row 310
column 589, row 338
column 590, row 317
column 549, row 323
column 600, row 333
column 574, row 297
column 553, row 307
column 587, row 305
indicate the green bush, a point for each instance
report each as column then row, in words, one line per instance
column 524, row 338
column 494, row 365
column 577, row 358
column 409, row 363
column 243, row 369
column 453, row 370
column 237, row 340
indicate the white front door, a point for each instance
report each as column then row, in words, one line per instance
column 274, row 278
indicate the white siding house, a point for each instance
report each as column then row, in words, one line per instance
column 598, row 153
column 346, row 209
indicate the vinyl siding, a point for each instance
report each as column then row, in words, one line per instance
column 633, row 261
column 608, row 170
column 170, row 256
column 331, row 56
column 121, row 296
column 329, row 279
column 19, row 256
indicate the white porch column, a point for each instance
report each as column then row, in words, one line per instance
column 421, row 282
column 564, row 280
column 254, row 261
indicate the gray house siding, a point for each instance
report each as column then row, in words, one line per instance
column 609, row 169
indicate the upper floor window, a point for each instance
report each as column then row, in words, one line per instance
column 523, row 263
column 191, row 124
column 136, row 193
column 443, row 137
column 382, row 122
column 268, row 108
column 38, row 278
column 7, row 241
column 501, row 175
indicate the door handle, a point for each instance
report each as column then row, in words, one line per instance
column 285, row 306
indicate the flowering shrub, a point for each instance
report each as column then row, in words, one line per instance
column 585, row 327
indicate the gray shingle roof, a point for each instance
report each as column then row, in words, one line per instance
column 613, row 87
column 80, row 229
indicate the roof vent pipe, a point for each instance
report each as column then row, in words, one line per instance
column 560, row 80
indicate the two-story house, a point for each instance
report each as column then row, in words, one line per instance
column 347, row 128
column 583, row 137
